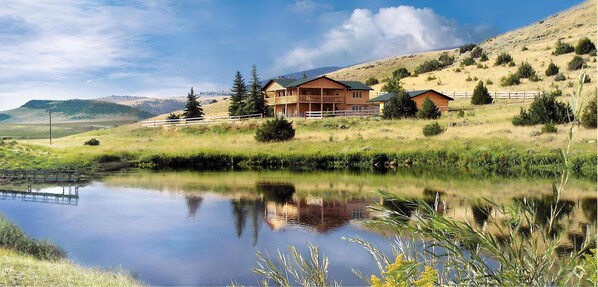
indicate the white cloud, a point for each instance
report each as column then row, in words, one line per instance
column 60, row 39
column 367, row 36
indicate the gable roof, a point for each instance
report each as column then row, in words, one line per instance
column 292, row 83
column 412, row 94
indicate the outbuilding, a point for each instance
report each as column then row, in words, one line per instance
column 441, row 100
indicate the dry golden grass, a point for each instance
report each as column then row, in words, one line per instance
column 539, row 38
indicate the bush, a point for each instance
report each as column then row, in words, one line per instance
column 534, row 78
column 545, row 109
column 92, row 142
column 446, row 60
column 576, row 63
column 467, row 61
column 489, row 82
column 468, row 79
column 562, row 48
column 584, row 46
column 587, row 79
column 503, row 58
column 429, row 110
column 524, row 48
column 560, row 77
column 481, row 95
column 551, row 70
column 588, row 117
column 371, row 81
column 484, row 57
column 477, row 52
column 428, row 66
column 549, row 128
column 399, row 106
column 173, row 116
column 401, row 73
column 525, row 70
column 466, row 48
column 274, row 130
column 432, row 129
column 510, row 80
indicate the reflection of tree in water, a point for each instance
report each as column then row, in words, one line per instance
column 193, row 203
column 588, row 205
column 542, row 208
column 402, row 208
column 242, row 209
column 481, row 213
column 278, row 192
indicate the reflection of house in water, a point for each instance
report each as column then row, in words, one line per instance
column 316, row 213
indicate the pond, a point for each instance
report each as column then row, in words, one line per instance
column 204, row 228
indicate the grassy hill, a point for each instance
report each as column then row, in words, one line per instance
column 538, row 39
column 158, row 106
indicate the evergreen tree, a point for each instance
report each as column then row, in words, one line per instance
column 393, row 85
column 429, row 110
column 552, row 69
column 304, row 76
column 239, row 90
column 399, row 106
column 255, row 103
column 193, row 107
column 481, row 95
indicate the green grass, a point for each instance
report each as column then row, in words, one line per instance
column 23, row 270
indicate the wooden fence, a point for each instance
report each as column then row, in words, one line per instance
column 521, row 95
column 342, row 113
column 197, row 121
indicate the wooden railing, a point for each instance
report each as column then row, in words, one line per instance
column 305, row 99
column 197, row 121
column 343, row 113
column 496, row 95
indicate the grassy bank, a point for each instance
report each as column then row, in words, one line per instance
column 481, row 142
column 25, row 261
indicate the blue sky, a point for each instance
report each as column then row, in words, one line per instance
column 63, row 49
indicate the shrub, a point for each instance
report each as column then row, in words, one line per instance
column 467, row 61
column 525, row 70
column 431, row 78
column 551, row 70
column 510, row 80
column 489, row 82
column 429, row 110
column 371, row 81
column 584, row 46
column 399, row 106
column 560, row 77
column 588, row 117
column 562, row 48
column 401, row 73
column 511, row 64
column 468, row 79
column 477, row 52
column 173, row 116
column 457, row 70
column 484, row 57
column 545, row 109
column 277, row 129
column 432, row 129
column 524, row 48
column 92, row 142
column 428, row 66
column 549, row 128
column 576, row 63
column 446, row 60
column 503, row 58
column 466, row 48
column 587, row 79
column 534, row 78
column 481, row 95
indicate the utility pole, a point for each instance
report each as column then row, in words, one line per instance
column 50, row 112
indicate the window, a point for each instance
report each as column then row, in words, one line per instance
column 336, row 93
column 356, row 108
column 357, row 94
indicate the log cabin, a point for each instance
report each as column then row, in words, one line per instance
column 293, row 98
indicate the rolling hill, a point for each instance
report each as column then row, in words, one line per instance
column 36, row 111
column 158, row 106
column 534, row 44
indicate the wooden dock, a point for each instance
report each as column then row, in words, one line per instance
column 42, row 176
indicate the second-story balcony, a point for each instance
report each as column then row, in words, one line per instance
column 305, row 99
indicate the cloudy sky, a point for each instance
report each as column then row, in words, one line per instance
column 64, row 49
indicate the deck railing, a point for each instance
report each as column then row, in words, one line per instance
column 197, row 121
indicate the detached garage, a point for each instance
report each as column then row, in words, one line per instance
column 418, row 97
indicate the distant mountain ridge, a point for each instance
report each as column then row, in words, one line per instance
column 71, row 110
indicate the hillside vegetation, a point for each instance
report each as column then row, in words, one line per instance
column 534, row 44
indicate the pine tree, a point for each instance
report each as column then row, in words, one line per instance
column 481, row 95
column 304, row 76
column 239, row 91
column 393, row 85
column 429, row 110
column 255, row 103
column 399, row 106
column 193, row 107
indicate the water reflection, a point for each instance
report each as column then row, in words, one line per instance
column 193, row 203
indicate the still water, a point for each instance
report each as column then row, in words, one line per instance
column 188, row 228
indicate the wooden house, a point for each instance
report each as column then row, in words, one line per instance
column 418, row 97
column 293, row 98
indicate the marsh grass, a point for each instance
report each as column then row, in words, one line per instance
column 12, row 237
